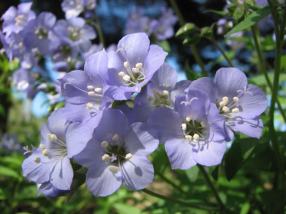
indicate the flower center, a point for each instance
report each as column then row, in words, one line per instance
column 115, row 153
column 74, row 33
column 228, row 105
column 41, row 33
column 193, row 130
column 96, row 94
column 20, row 20
column 161, row 98
column 131, row 76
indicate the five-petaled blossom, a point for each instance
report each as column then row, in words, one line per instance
column 238, row 102
column 192, row 133
column 48, row 165
column 117, row 154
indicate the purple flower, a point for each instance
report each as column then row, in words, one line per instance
column 39, row 33
column 164, row 27
column 49, row 190
column 49, row 162
column 161, row 91
column 117, row 154
column 75, row 32
column 137, row 22
column 73, row 8
column 87, row 87
column 14, row 20
column 193, row 133
column 132, row 66
column 238, row 102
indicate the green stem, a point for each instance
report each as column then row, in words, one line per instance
column 167, row 180
column 213, row 188
column 262, row 67
column 177, row 201
column 215, row 43
column 199, row 60
column 195, row 51
column 273, row 136
column 97, row 26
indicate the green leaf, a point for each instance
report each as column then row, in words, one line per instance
column 124, row 208
column 193, row 173
column 240, row 150
column 250, row 20
column 7, row 172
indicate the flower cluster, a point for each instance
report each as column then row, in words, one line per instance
column 123, row 104
column 161, row 28
column 35, row 39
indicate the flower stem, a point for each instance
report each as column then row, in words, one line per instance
column 97, row 26
column 216, row 44
column 279, row 34
column 195, row 51
column 262, row 67
column 212, row 186
column 177, row 201
column 174, row 185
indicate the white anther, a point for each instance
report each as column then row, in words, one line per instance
column 188, row 137
column 126, row 64
column 126, row 78
column 165, row 92
column 225, row 109
column 52, row 137
column 225, row 99
column 202, row 124
column 37, row 160
column 115, row 137
column 188, row 119
column 113, row 168
column 105, row 157
column 184, row 126
column 121, row 73
column 45, row 152
column 235, row 110
column 98, row 90
column 89, row 105
column 235, row 99
column 196, row 137
column 91, row 93
column 128, row 156
column 135, row 70
column 104, row 144
column 90, row 87
column 222, row 103
column 42, row 146
column 139, row 65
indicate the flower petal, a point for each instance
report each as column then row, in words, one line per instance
column 101, row 181
column 62, row 175
column 180, row 153
column 249, row 127
column 155, row 58
column 137, row 173
column 229, row 81
column 134, row 47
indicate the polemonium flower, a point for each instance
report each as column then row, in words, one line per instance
column 75, row 32
column 49, row 162
column 133, row 65
column 238, row 102
column 137, row 22
column 193, row 133
column 87, row 87
column 161, row 91
column 117, row 155
column 39, row 33
column 49, row 190
column 14, row 45
column 15, row 19
column 164, row 27
column 23, row 80
column 73, row 8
